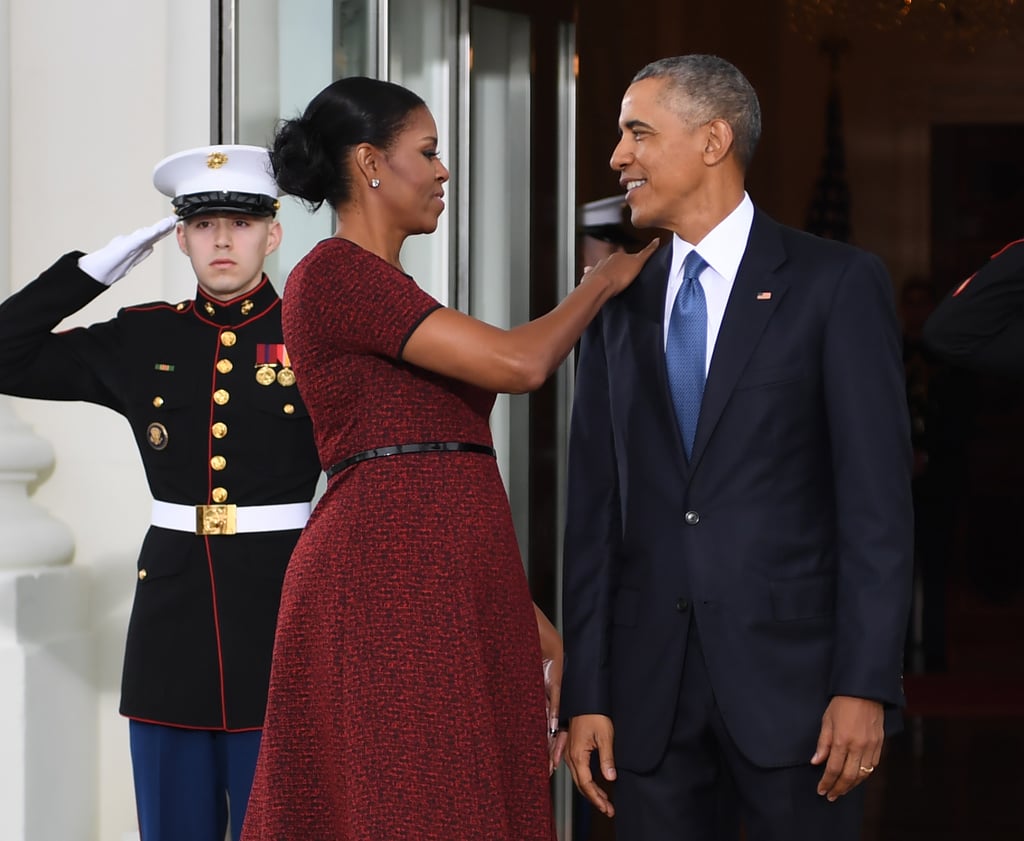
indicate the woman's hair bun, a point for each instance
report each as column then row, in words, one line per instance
column 301, row 165
column 310, row 153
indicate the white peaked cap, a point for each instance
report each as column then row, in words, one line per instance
column 218, row 178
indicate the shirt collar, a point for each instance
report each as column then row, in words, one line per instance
column 724, row 244
column 245, row 307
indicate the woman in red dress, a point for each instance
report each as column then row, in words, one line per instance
column 407, row 698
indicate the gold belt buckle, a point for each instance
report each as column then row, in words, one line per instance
column 215, row 519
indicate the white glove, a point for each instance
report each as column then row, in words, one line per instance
column 123, row 253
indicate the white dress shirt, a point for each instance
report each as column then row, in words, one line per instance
column 722, row 249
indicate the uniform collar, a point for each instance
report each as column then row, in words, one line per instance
column 243, row 308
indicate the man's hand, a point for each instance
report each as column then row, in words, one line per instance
column 587, row 733
column 123, row 253
column 851, row 742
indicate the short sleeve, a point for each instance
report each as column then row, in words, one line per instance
column 360, row 302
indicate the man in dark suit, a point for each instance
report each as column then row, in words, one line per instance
column 227, row 445
column 738, row 549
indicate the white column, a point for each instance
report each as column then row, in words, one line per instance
column 31, row 537
column 47, row 705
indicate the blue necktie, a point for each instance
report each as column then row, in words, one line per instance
column 686, row 349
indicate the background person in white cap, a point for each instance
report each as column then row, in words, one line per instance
column 227, row 446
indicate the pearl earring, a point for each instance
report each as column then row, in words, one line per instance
column 375, row 183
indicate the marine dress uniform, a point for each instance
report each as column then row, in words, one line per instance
column 208, row 390
column 978, row 325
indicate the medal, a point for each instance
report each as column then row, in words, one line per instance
column 286, row 376
column 265, row 375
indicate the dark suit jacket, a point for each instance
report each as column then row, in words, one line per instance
column 788, row 537
column 202, row 627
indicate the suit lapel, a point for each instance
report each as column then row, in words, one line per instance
column 756, row 292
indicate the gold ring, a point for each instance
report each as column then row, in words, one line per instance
column 867, row 769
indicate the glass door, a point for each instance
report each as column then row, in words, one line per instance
column 281, row 56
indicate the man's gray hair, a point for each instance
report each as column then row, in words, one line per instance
column 702, row 88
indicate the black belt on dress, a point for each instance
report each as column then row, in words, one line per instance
column 402, row 449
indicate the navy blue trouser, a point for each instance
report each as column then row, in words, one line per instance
column 705, row 787
column 189, row 783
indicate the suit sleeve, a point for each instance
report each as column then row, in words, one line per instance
column 35, row 361
column 869, row 430
column 592, row 535
column 980, row 324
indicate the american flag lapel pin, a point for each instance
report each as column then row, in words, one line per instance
column 764, row 296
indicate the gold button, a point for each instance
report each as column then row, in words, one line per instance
column 181, row 306
column 219, row 495
column 289, row 409
column 220, row 397
column 218, row 462
column 142, row 575
column 158, row 401
column 220, row 430
column 228, row 339
column 225, row 366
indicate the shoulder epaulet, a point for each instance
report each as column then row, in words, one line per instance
column 182, row 306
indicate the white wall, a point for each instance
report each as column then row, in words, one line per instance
column 99, row 92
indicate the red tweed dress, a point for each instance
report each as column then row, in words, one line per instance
column 406, row 695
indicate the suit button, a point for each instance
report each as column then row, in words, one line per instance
column 691, row 518
column 142, row 575
column 682, row 605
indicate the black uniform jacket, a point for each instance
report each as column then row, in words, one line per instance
column 980, row 324
column 216, row 421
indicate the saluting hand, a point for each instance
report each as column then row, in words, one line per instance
column 123, row 253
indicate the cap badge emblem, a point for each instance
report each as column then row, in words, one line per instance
column 215, row 160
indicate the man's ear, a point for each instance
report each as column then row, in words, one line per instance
column 719, row 141
column 179, row 231
column 274, row 234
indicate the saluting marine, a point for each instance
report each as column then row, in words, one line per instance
column 227, row 446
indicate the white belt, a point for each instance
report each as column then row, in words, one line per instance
column 229, row 519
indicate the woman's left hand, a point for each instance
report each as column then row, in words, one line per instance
column 553, row 659
column 552, row 690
